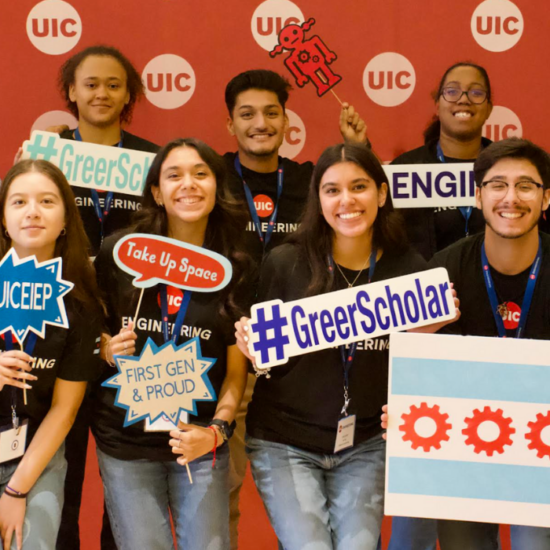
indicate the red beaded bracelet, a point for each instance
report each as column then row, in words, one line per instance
column 215, row 443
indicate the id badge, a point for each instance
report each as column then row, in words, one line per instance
column 164, row 424
column 12, row 442
column 345, row 433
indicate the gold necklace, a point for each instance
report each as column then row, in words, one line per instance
column 358, row 275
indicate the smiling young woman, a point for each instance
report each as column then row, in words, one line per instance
column 40, row 219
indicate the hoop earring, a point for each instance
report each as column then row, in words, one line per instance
column 63, row 232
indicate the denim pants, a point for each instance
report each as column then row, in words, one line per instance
column 321, row 501
column 141, row 494
column 44, row 503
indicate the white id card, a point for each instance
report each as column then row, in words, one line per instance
column 345, row 433
column 12, row 442
column 164, row 424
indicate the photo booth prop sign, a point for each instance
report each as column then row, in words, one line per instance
column 31, row 295
column 162, row 381
column 431, row 185
column 280, row 330
column 309, row 58
column 90, row 165
column 469, row 429
column 153, row 259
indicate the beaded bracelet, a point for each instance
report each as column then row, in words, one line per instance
column 13, row 493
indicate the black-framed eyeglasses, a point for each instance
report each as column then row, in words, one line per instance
column 525, row 189
column 453, row 95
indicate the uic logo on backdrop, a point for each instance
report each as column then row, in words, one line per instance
column 295, row 136
column 389, row 79
column 54, row 27
column 502, row 124
column 497, row 25
column 270, row 17
column 169, row 81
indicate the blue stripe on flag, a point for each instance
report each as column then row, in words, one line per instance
column 470, row 380
column 452, row 478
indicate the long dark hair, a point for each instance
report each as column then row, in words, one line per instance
column 433, row 131
column 225, row 227
column 72, row 247
column 134, row 84
column 315, row 235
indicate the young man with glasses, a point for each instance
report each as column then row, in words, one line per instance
column 493, row 273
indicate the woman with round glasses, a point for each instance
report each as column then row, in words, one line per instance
column 462, row 106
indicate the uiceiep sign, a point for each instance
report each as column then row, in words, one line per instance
column 282, row 330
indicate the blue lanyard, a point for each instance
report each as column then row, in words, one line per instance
column 349, row 355
column 527, row 298
column 466, row 211
column 29, row 348
column 101, row 213
column 252, row 208
column 176, row 328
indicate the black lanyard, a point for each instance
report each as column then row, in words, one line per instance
column 101, row 213
column 176, row 328
column 466, row 211
column 252, row 207
column 348, row 355
column 29, row 348
column 527, row 298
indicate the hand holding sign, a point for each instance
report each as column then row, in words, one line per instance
column 192, row 442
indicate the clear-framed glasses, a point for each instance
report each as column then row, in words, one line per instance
column 453, row 95
column 525, row 189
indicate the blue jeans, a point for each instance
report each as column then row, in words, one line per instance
column 531, row 538
column 141, row 494
column 321, row 501
column 413, row 534
column 44, row 503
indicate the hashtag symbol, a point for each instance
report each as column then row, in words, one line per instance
column 277, row 341
column 37, row 151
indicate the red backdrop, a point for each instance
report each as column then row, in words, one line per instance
column 215, row 40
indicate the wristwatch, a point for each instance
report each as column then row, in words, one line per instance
column 226, row 429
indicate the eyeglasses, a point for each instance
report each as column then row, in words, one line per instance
column 453, row 95
column 525, row 189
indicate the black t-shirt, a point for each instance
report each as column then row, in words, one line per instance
column 291, row 204
column 70, row 354
column 433, row 229
column 300, row 404
column 123, row 205
column 463, row 262
column 202, row 320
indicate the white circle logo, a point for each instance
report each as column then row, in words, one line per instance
column 497, row 25
column 54, row 118
column 503, row 123
column 295, row 136
column 270, row 17
column 389, row 79
column 169, row 81
column 54, row 27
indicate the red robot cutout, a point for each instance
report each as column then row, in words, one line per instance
column 309, row 59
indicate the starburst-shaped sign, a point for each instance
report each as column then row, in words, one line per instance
column 31, row 295
column 163, row 380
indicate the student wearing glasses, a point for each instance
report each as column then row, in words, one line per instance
column 462, row 106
